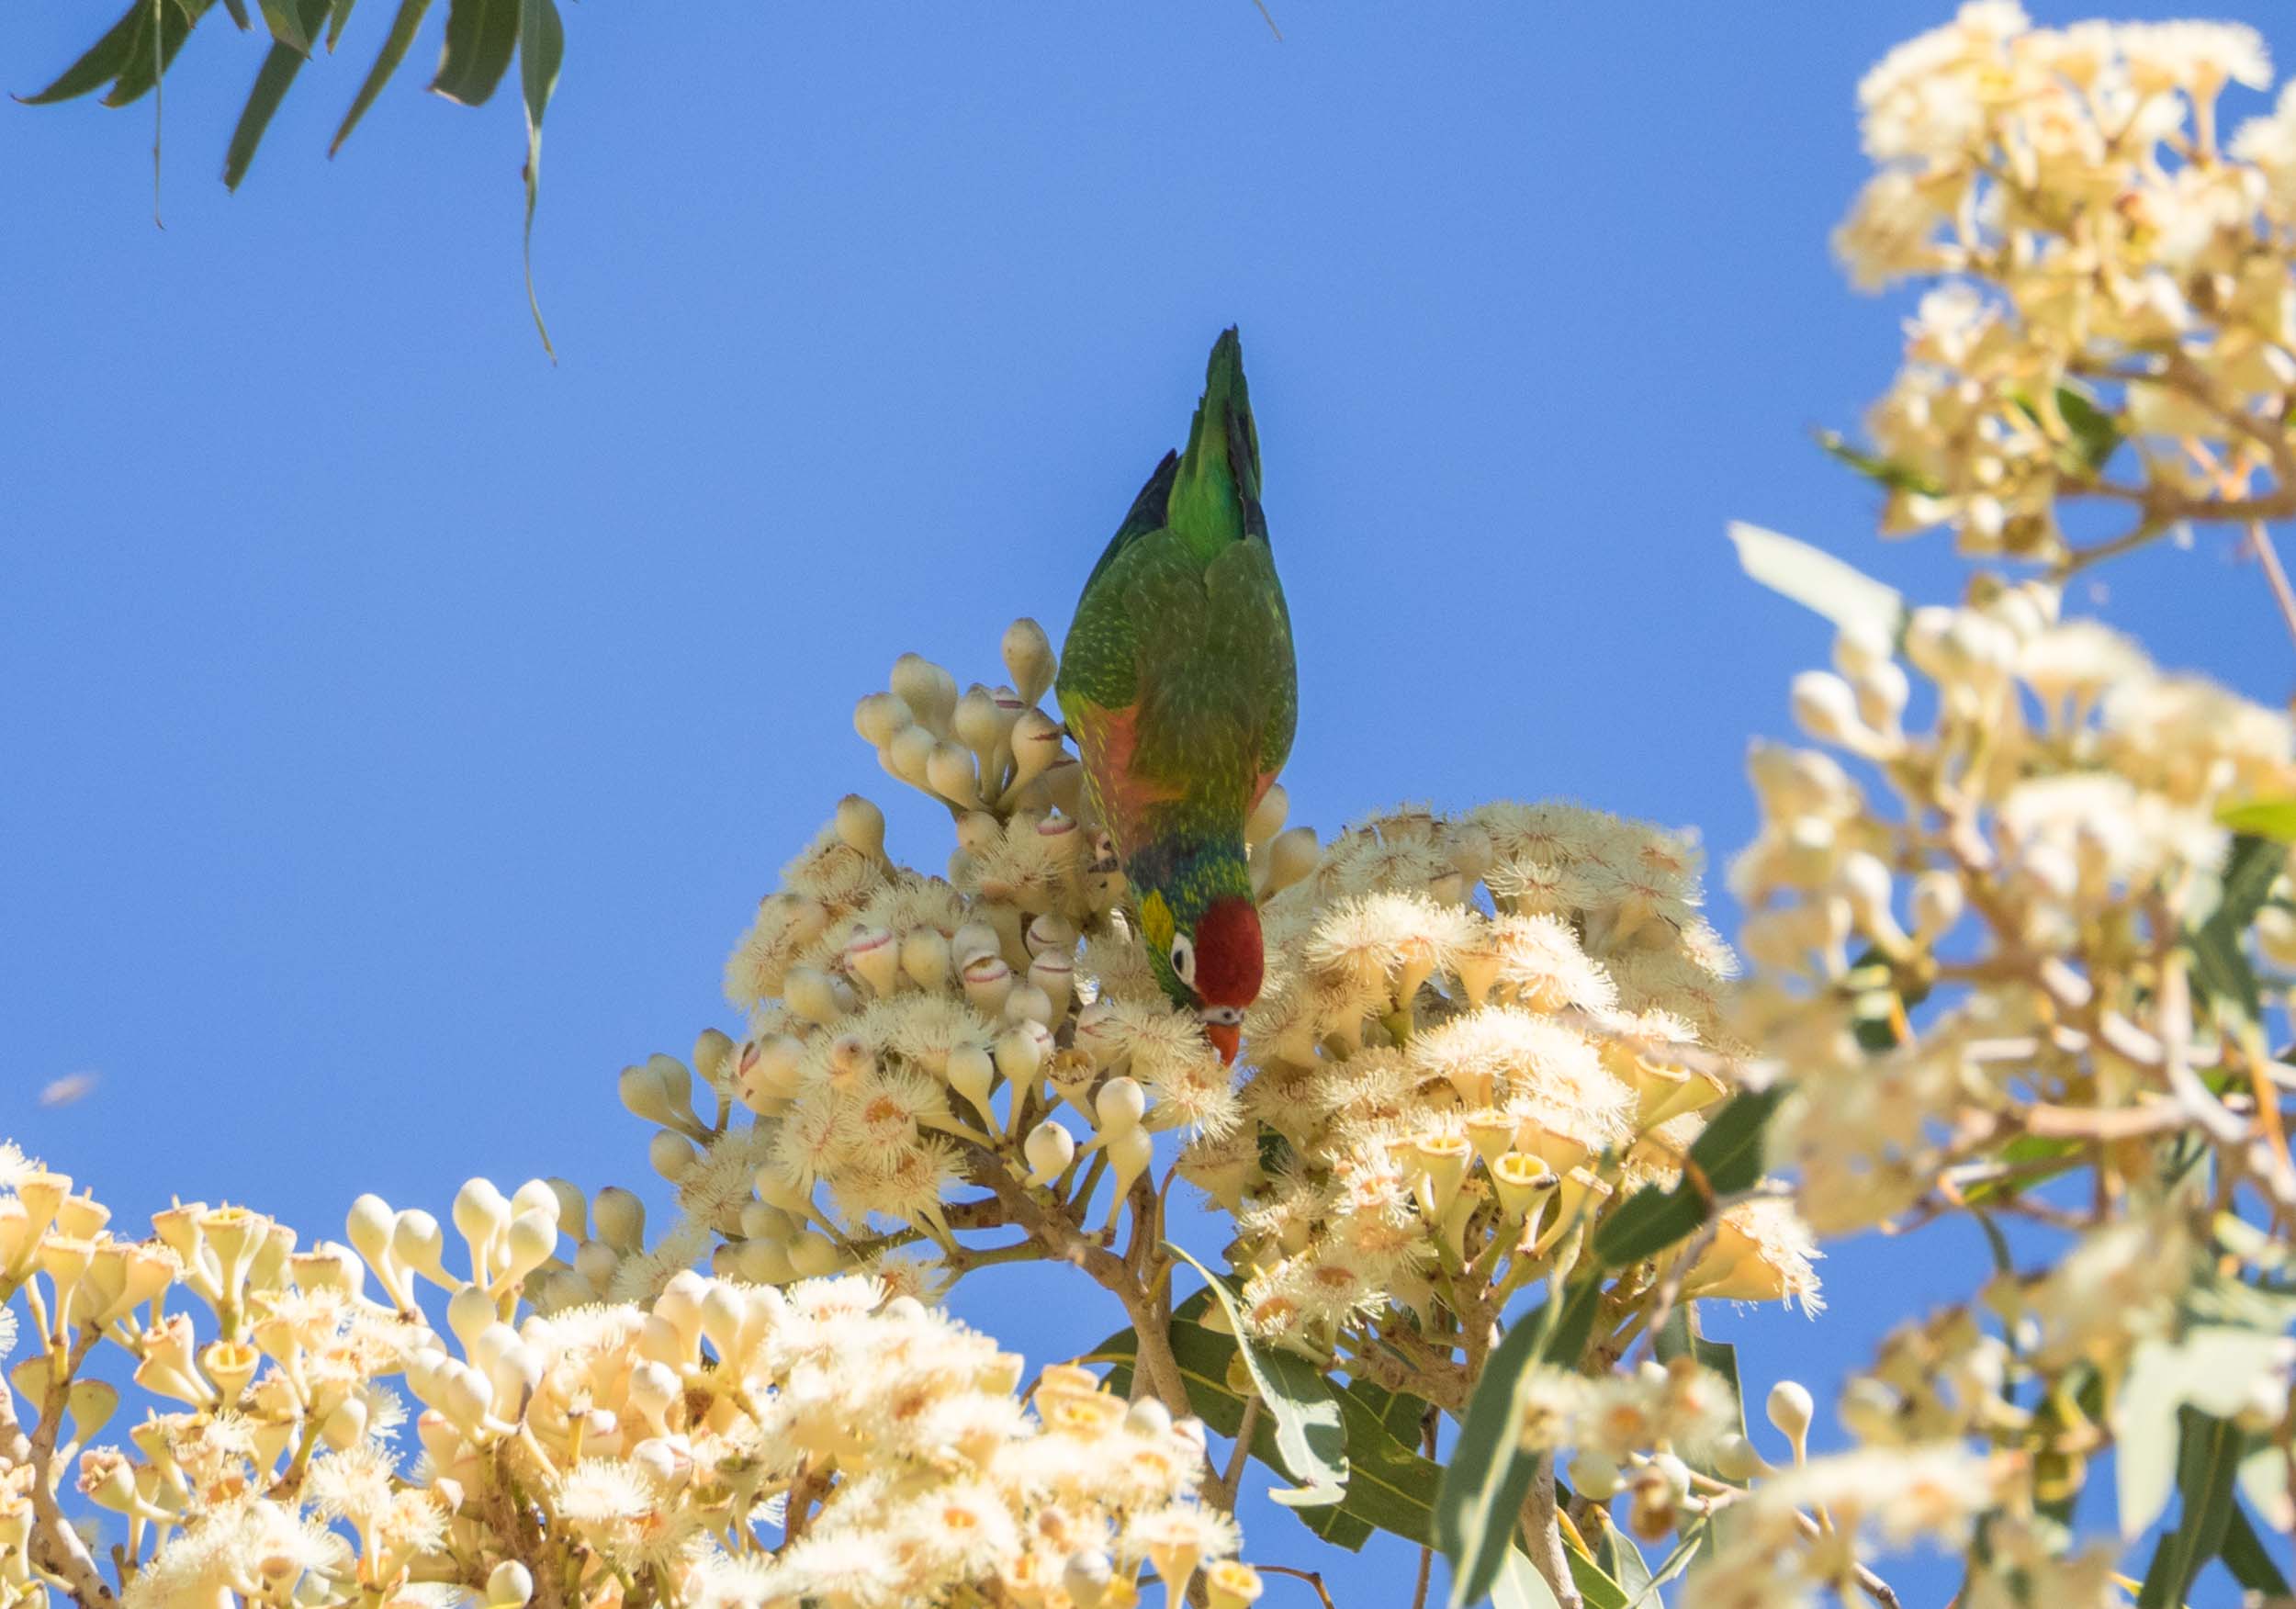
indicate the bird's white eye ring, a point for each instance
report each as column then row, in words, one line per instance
column 1184, row 958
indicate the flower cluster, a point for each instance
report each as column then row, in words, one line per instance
column 2111, row 269
column 1472, row 1043
column 726, row 1443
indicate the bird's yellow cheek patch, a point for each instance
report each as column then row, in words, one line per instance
column 1155, row 922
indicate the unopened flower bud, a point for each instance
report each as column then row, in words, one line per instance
column 860, row 826
column 880, row 717
column 1118, row 1105
column 511, row 1586
column 621, row 1220
column 1049, row 1149
column 1937, row 902
column 671, row 1154
column 987, row 979
column 972, row 941
column 871, row 956
column 1086, row 1578
column 908, row 755
column 1268, row 817
column 949, row 769
column 925, row 957
column 971, row 1074
column 813, row 1256
column 1028, row 660
column 1035, row 747
column 1791, row 1408
column 1826, row 707
column 1291, row 855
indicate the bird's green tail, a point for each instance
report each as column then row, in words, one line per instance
column 1216, row 494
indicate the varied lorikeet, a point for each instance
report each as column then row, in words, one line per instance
column 1178, row 684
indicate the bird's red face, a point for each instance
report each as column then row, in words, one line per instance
column 1230, row 958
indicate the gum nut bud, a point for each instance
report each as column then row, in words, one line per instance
column 764, row 1262
column 671, row 1154
column 811, row 1256
column 979, row 832
column 987, row 979
column 880, row 716
column 677, row 1086
column 1735, row 1458
column 1036, row 745
column 971, row 1074
column 1937, row 902
column 949, row 769
column 1087, row 1578
column 1028, row 655
column 642, row 1093
column 768, row 1071
column 1148, row 1417
column 1864, row 882
column 906, row 755
column 1019, row 1055
column 510, row 1586
column 1049, row 1149
column 1825, row 707
column 534, row 1240
column 1053, row 976
column 1859, row 646
column 871, row 956
column 1027, row 1003
column 345, row 1426
column 573, row 1208
column 972, row 941
column 417, row 1242
column 480, row 1210
column 1291, row 855
column 1595, row 1474
column 465, row 1395
column 1118, row 1105
column 653, row 1387
column 470, row 1312
column 760, row 1221
column 369, row 1225
column 438, row 1436
column 1268, row 817
column 723, row 1314
column 976, row 723
column 925, row 957
column 809, row 992
column 930, row 691
column 1790, row 1409
column 1052, row 934
column 860, row 826
column 621, row 1219
column 1883, row 693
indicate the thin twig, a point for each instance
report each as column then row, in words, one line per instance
column 1308, row 1575
column 1233, row 1476
column 2260, row 539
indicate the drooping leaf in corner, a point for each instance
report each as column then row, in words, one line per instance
column 277, row 72
column 481, row 36
column 541, row 50
column 403, row 27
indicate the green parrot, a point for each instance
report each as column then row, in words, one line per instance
column 1179, row 685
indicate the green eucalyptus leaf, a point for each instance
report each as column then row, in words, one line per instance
column 1623, row 1562
column 280, row 65
column 1518, row 1585
column 402, row 32
column 1895, row 477
column 151, row 57
column 100, row 63
column 2220, row 960
column 2265, row 818
column 1596, row 1587
column 541, row 50
column 2096, row 433
column 290, row 24
column 1311, row 1434
column 1681, row 1334
column 336, row 21
column 481, row 36
column 1724, row 1159
column 1819, row 581
column 2205, row 1467
column 2245, row 1555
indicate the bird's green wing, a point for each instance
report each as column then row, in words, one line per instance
column 1100, row 663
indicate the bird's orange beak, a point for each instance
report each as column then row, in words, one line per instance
column 1226, row 1038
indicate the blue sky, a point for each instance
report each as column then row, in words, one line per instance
column 397, row 729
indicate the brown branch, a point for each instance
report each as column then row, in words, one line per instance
column 2260, row 539
column 56, row 1548
column 1542, row 1536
